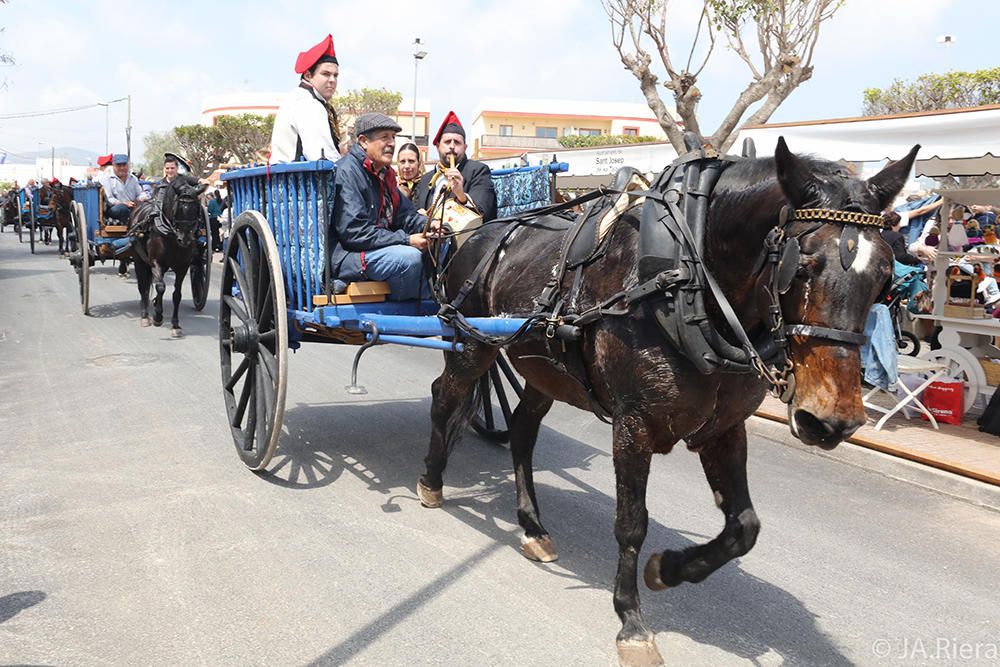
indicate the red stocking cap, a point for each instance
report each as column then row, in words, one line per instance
column 104, row 160
column 323, row 50
column 451, row 124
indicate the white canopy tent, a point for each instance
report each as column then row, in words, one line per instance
column 954, row 134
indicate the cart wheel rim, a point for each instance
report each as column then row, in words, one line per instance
column 84, row 246
column 253, row 339
column 201, row 269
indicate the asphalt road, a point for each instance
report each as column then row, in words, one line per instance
column 131, row 534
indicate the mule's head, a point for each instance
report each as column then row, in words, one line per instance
column 182, row 204
column 842, row 267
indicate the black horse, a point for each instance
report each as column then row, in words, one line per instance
column 165, row 233
column 653, row 395
column 59, row 199
column 8, row 209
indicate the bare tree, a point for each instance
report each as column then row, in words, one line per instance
column 781, row 35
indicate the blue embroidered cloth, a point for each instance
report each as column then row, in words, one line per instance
column 522, row 190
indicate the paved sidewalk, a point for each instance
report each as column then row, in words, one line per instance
column 962, row 450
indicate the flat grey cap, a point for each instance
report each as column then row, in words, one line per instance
column 372, row 121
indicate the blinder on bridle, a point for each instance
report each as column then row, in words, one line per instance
column 781, row 254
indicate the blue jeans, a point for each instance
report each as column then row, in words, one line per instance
column 120, row 212
column 402, row 267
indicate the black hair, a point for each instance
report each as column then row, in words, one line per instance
column 409, row 146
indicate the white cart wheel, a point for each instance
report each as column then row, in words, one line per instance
column 962, row 365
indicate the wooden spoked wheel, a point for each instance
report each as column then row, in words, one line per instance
column 31, row 230
column 20, row 225
column 501, row 381
column 83, row 244
column 201, row 269
column 72, row 239
column 253, row 339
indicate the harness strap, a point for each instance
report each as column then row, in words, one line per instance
column 838, row 335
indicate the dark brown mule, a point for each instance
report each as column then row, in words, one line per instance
column 165, row 234
column 59, row 199
column 654, row 395
column 8, row 209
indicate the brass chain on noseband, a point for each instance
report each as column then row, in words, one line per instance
column 837, row 216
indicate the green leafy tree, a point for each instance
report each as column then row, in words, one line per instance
column 776, row 40
column 582, row 141
column 201, row 146
column 932, row 92
column 245, row 138
column 356, row 102
column 155, row 145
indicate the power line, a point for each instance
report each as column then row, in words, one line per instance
column 49, row 112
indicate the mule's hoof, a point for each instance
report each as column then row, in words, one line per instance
column 123, row 276
column 651, row 574
column 157, row 323
column 144, row 322
column 638, row 653
column 428, row 497
column 176, row 333
column 539, row 549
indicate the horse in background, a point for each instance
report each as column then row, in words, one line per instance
column 59, row 199
column 623, row 365
column 164, row 234
column 8, row 209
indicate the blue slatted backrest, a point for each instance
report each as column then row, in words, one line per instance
column 89, row 195
column 295, row 200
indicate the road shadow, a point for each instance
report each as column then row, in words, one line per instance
column 13, row 274
column 13, row 604
column 383, row 443
column 193, row 322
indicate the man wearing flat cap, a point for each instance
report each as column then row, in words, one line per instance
column 305, row 126
column 379, row 235
column 469, row 181
column 121, row 189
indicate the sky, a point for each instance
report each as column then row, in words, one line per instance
column 170, row 55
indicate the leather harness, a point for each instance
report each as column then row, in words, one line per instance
column 672, row 277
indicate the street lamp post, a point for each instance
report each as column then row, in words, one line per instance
column 948, row 41
column 418, row 55
column 107, row 121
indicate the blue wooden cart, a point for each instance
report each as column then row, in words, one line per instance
column 277, row 293
column 105, row 240
column 34, row 216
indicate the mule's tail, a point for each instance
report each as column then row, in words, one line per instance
column 458, row 421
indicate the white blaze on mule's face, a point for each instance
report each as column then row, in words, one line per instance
column 866, row 249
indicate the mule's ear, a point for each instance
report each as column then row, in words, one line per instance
column 886, row 184
column 201, row 188
column 794, row 175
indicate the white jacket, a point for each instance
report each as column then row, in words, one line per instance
column 302, row 115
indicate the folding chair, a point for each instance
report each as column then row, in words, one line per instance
column 931, row 370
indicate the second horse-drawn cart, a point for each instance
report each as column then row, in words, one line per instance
column 104, row 239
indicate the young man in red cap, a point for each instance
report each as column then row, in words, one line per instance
column 306, row 125
column 469, row 181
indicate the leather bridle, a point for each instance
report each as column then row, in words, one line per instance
column 781, row 255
